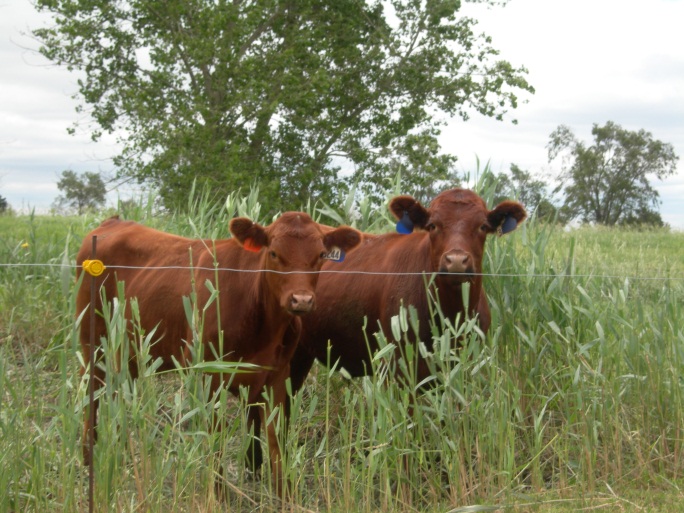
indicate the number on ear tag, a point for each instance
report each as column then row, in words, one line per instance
column 405, row 225
column 335, row 254
column 509, row 224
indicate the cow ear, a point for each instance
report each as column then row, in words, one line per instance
column 409, row 213
column 506, row 217
column 250, row 235
column 344, row 238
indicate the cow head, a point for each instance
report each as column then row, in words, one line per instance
column 293, row 248
column 458, row 223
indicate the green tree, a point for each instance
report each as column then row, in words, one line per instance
column 530, row 191
column 3, row 205
column 527, row 189
column 424, row 171
column 293, row 94
column 608, row 182
column 81, row 193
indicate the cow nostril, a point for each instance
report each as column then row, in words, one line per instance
column 457, row 261
column 301, row 301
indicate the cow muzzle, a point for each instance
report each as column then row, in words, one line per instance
column 458, row 263
column 301, row 303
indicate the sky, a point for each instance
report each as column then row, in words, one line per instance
column 590, row 61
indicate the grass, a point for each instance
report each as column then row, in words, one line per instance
column 573, row 400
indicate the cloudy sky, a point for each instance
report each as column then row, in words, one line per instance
column 590, row 61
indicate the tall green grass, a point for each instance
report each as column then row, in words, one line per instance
column 573, row 399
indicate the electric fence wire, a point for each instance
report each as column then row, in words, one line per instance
column 365, row 273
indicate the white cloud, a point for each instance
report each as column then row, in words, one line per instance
column 37, row 108
column 590, row 61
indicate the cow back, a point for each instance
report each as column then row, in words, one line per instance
column 156, row 269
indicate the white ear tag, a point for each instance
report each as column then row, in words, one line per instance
column 335, row 254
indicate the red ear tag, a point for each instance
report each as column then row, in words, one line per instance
column 252, row 246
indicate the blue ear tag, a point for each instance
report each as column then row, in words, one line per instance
column 509, row 224
column 335, row 254
column 405, row 225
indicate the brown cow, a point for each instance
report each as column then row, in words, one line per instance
column 450, row 241
column 259, row 307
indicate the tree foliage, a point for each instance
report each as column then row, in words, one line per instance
column 608, row 181
column 417, row 160
column 3, row 205
column 521, row 185
column 281, row 91
column 81, row 193
column 530, row 191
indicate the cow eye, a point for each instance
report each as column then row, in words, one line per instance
column 484, row 228
column 323, row 254
column 273, row 254
column 431, row 227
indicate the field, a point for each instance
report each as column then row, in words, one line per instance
column 573, row 401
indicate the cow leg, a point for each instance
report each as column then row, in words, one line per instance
column 300, row 366
column 274, row 453
column 277, row 386
column 255, row 456
column 99, row 380
column 87, row 427
column 217, row 423
column 98, row 374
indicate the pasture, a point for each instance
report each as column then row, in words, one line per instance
column 573, row 401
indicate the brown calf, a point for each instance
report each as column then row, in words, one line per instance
column 449, row 239
column 258, row 321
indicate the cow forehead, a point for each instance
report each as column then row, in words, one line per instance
column 292, row 224
column 458, row 206
column 295, row 230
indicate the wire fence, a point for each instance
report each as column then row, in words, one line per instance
column 647, row 275
column 365, row 273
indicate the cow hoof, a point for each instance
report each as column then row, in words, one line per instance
column 254, row 458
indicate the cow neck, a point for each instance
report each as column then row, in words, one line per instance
column 451, row 296
column 267, row 308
